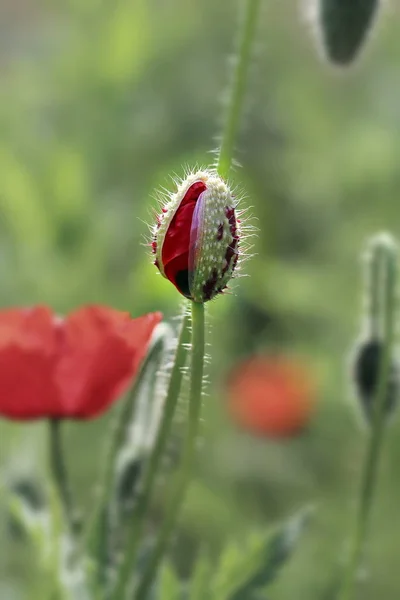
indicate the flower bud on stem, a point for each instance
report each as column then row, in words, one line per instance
column 196, row 245
column 381, row 296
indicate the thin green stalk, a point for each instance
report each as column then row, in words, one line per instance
column 374, row 291
column 59, row 473
column 238, row 88
column 62, row 508
column 183, row 475
column 376, row 434
column 126, row 568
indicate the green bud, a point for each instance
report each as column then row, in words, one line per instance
column 343, row 26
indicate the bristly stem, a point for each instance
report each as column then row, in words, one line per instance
column 126, row 568
column 59, row 473
column 238, row 86
column 383, row 274
column 183, row 475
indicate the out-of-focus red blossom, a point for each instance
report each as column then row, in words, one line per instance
column 73, row 367
column 271, row 396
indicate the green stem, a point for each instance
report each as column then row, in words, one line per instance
column 59, row 473
column 376, row 434
column 374, row 289
column 238, row 88
column 126, row 568
column 183, row 475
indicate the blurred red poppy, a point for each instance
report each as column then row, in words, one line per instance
column 270, row 396
column 72, row 367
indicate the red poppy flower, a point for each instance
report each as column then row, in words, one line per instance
column 270, row 396
column 196, row 237
column 68, row 368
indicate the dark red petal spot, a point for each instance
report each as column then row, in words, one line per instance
column 231, row 255
column 210, row 287
column 175, row 250
column 231, row 251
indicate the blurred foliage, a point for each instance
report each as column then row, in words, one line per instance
column 100, row 102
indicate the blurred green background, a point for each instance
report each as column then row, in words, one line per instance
column 100, row 102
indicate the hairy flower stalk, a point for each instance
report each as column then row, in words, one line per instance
column 239, row 84
column 381, row 289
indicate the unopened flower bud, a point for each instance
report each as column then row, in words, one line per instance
column 367, row 369
column 196, row 237
column 343, row 26
column 376, row 369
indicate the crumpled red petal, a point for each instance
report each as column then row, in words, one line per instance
column 27, row 363
column 102, row 350
column 175, row 250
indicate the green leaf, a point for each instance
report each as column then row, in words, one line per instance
column 135, row 429
column 199, row 587
column 170, row 587
column 141, row 423
column 34, row 523
column 246, row 569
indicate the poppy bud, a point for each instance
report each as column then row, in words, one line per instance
column 367, row 365
column 196, row 237
column 375, row 366
column 343, row 26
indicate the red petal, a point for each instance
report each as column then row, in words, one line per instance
column 175, row 250
column 27, row 364
column 101, row 351
column 28, row 327
column 270, row 396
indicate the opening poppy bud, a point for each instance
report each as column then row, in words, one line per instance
column 367, row 365
column 196, row 237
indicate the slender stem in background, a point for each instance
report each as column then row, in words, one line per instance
column 59, row 473
column 61, row 508
column 387, row 260
column 238, row 89
column 183, row 475
column 374, row 294
column 126, row 568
